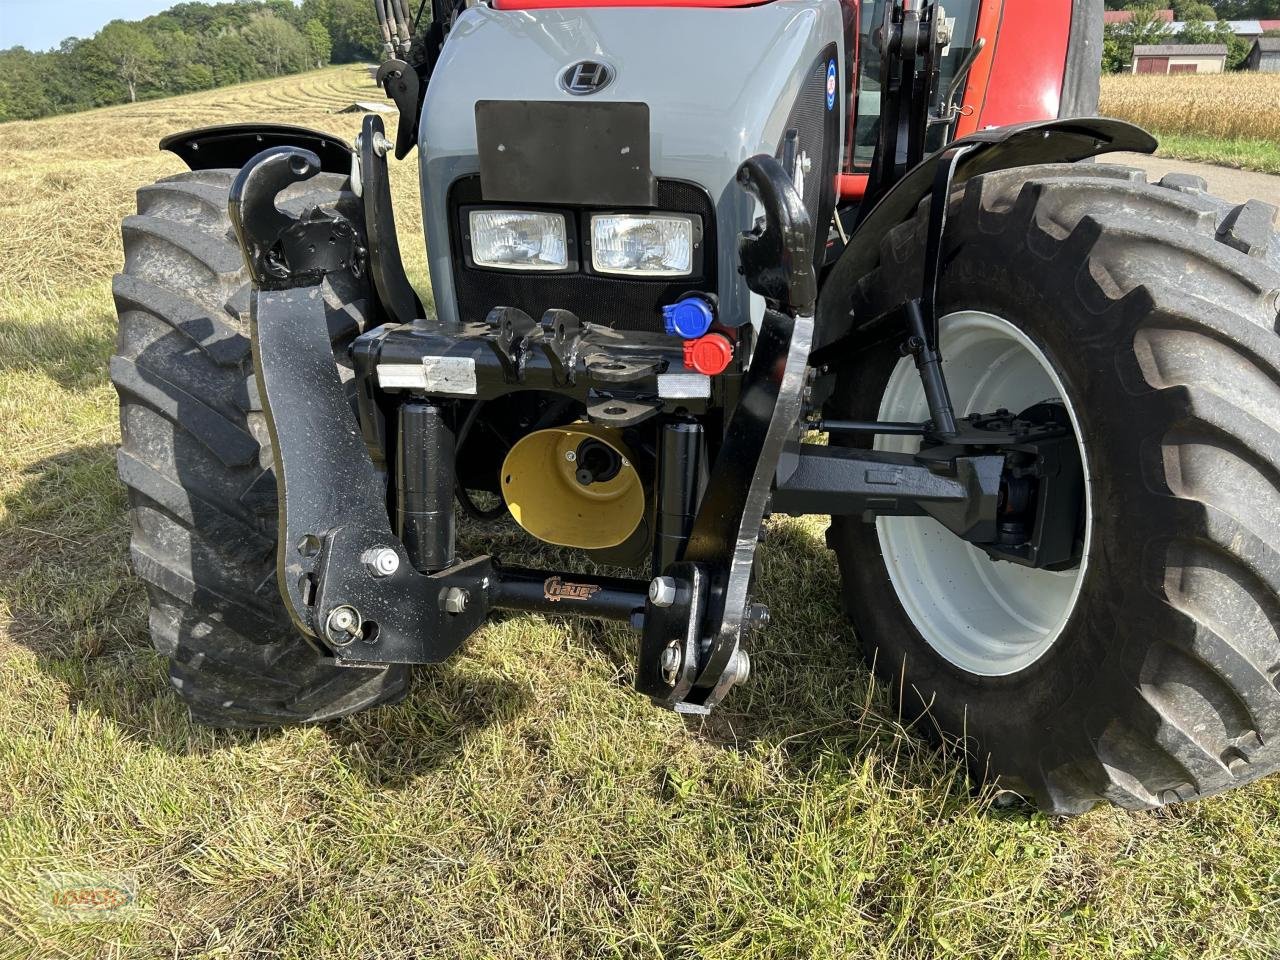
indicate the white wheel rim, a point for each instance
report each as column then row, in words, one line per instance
column 991, row 618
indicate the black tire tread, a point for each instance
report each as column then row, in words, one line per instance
column 1199, row 280
column 196, row 460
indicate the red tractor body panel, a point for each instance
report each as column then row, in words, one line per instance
column 1026, row 65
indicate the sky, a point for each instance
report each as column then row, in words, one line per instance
column 41, row 24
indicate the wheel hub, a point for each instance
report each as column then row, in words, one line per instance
column 988, row 616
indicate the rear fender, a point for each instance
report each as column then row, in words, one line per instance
column 231, row 146
column 1000, row 148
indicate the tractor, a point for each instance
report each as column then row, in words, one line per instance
column 673, row 244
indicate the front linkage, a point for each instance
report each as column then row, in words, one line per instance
column 366, row 592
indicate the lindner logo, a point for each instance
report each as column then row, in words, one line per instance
column 555, row 589
column 586, row 77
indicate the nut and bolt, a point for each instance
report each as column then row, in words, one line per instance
column 670, row 663
column 343, row 625
column 662, row 591
column 455, row 600
column 381, row 561
column 571, row 455
column 758, row 615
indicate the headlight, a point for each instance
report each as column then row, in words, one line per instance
column 518, row 240
column 644, row 246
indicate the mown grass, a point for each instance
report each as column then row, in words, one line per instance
column 522, row 802
column 1231, row 119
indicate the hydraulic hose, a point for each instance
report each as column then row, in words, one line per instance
column 389, row 47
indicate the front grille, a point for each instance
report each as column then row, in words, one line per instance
column 609, row 301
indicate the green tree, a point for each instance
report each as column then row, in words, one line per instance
column 1185, row 10
column 122, row 52
column 353, row 28
column 231, row 59
column 22, row 95
column 1119, row 39
column 276, row 45
column 1248, row 9
column 318, row 43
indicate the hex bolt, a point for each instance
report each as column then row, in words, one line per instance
column 670, row 663
column 571, row 455
column 662, row 591
column 381, row 561
column 343, row 625
column 455, row 600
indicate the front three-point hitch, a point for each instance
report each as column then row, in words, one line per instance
column 367, row 458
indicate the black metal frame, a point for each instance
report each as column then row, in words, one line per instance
column 367, row 471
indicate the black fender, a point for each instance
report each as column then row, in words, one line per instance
column 233, row 145
column 1000, row 148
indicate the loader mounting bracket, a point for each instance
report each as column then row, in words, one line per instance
column 282, row 251
column 694, row 650
column 399, row 300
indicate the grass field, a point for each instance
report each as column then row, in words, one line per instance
column 522, row 803
column 1231, row 119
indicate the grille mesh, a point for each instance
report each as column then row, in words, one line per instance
column 818, row 132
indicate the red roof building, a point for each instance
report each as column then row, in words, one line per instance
column 1124, row 16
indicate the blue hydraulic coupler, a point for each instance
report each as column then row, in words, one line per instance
column 690, row 317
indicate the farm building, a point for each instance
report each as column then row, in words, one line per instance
column 1264, row 56
column 1124, row 16
column 1180, row 58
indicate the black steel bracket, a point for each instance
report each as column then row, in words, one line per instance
column 282, row 251
column 693, row 648
column 405, row 87
column 399, row 300
column 347, row 580
column 908, row 77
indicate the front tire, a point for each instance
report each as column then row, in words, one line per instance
column 196, row 459
column 1155, row 307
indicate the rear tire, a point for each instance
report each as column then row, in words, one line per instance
column 196, row 459
column 1157, row 307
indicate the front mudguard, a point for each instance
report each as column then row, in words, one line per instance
column 1000, row 148
column 232, row 145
